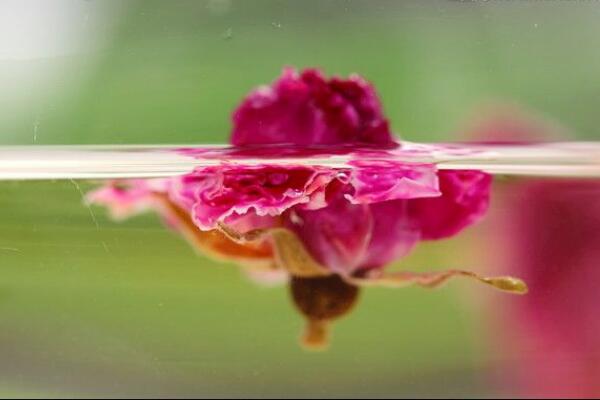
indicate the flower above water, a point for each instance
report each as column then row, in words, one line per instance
column 307, row 109
column 328, row 229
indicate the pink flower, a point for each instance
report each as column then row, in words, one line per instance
column 349, row 237
column 307, row 109
column 328, row 228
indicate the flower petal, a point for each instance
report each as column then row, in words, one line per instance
column 229, row 192
column 393, row 236
column 139, row 196
column 464, row 200
column 126, row 199
column 337, row 236
column 307, row 109
column 376, row 181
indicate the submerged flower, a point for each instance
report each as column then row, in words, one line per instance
column 348, row 236
column 329, row 229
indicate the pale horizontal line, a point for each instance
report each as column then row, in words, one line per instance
column 566, row 159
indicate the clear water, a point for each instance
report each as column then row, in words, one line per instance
column 90, row 305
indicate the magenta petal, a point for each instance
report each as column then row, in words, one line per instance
column 393, row 236
column 464, row 200
column 186, row 189
column 128, row 198
column 307, row 109
column 346, row 237
column 227, row 193
column 377, row 181
column 337, row 236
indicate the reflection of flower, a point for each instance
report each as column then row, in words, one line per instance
column 556, row 248
column 331, row 229
column 547, row 231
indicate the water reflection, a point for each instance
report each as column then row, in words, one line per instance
column 546, row 231
column 553, row 244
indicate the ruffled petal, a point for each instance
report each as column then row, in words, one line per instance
column 464, row 200
column 228, row 193
column 307, row 109
column 127, row 198
column 377, row 181
column 231, row 192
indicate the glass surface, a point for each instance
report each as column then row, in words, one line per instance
column 94, row 307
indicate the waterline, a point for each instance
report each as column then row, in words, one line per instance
column 565, row 159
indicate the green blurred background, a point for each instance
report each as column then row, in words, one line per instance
column 94, row 308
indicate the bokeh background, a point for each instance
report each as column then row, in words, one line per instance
column 89, row 307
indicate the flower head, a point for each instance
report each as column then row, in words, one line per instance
column 330, row 229
column 307, row 109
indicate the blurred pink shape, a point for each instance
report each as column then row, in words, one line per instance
column 547, row 231
column 555, row 246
